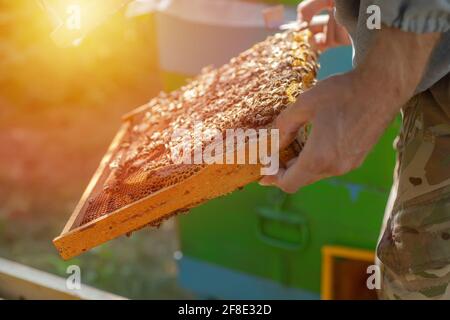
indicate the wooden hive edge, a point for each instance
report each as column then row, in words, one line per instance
column 76, row 215
column 212, row 181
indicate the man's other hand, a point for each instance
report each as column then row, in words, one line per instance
column 328, row 34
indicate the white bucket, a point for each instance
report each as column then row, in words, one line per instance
column 192, row 34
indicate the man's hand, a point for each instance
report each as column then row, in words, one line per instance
column 349, row 112
column 327, row 35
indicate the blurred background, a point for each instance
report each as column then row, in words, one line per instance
column 59, row 110
column 60, row 107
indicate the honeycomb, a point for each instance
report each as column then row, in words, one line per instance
column 248, row 93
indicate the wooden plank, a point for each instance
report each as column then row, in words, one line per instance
column 18, row 281
column 133, row 113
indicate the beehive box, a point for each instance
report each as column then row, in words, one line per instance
column 138, row 183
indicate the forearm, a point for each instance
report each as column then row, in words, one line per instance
column 394, row 66
column 350, row 112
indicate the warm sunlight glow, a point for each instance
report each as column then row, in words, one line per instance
column 74, row 19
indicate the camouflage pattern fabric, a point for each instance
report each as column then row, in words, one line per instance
column 432, row 284
column 414, row 249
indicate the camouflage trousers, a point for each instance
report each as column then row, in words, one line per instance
column 414, row 248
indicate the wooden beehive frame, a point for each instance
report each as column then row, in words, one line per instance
column 210, row 182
